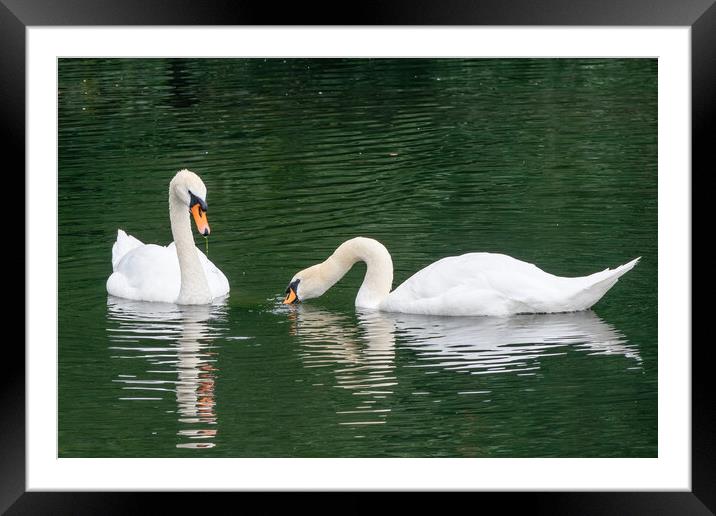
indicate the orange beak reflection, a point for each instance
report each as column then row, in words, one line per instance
column 202, row 224
column 290, row 297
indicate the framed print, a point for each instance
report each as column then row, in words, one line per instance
column 449, row 150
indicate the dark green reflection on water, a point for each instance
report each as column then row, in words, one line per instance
column 553, row 161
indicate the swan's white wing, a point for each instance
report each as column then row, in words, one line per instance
column 147, row 273
column 151, row 273
column 496, row 284
column 471, row 284
column 122, row 246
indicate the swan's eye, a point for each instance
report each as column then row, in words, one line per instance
column 197, row 207
column 194, row 200
column 291, row 293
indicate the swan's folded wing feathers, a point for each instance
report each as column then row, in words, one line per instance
column 122, row 246
column 478, row 271
column 456, row 301
column 479, row 283
column 149, row 272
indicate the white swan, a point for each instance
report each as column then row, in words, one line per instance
column 470, row 284
column 178, row 273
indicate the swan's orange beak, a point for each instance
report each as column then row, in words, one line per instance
column 290, row 297
column 202, row 224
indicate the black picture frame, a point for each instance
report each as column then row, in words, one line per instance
column 700, row 15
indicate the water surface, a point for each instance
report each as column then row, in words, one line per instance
column 552, row 161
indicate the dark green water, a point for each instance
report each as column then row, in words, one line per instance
column 551, row 161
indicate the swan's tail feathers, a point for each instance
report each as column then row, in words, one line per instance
column 597, row 284
column 122, row 246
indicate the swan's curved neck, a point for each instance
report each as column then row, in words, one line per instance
column 379, row 272
column 194, row 286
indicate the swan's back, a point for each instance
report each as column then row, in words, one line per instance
column 147, row 272
column 496, row 284
column 124, row 244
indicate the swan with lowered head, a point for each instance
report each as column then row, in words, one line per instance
column 470, row 284
column 178, row 273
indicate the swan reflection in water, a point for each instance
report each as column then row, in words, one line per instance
column 365, row 353
column 176, row 343
column 484, row 345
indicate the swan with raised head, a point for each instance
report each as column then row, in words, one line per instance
column 470, row 284
column 178, row 273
